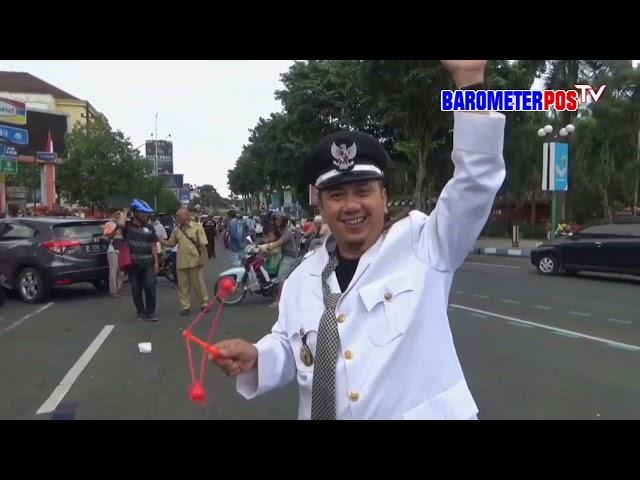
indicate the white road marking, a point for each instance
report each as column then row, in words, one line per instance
column 615, row 320
column 516, row 324
column 506, row 300
column 458, row 292
column 541, row 307
column 621, row 347
column 25, row 318
column 72, row 375
column 481, row 296
column 567, row 334
column 547, row 327
column 580, row 314
column 478, row 315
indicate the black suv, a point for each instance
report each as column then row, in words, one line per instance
column 37, row 253
column 610, row 248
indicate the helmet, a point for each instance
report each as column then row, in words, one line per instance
column 141, row 206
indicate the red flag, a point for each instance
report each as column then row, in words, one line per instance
column 49, row 147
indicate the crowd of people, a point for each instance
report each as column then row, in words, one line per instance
column 140, row 248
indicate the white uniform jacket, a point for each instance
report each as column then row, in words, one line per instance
column 398, row 359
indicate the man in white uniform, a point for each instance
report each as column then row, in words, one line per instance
column 362, row 324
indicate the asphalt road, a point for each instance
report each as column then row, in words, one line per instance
column 532, row 347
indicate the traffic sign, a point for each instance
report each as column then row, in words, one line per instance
column 18, row 136
column 8, row 165
column 47, row 156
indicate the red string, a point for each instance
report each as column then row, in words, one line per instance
column 214, row 326
column 193, row 376
column 187, row 333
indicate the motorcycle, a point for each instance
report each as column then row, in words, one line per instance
column 168, row 266
column 252, row 277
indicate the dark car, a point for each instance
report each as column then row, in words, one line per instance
column 37, row 253
column 610, row 248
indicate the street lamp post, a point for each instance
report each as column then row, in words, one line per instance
column 155, row 167
column 563, row 132
column 155, row 161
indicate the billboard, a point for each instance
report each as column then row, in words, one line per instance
column 171, row 180
column 555, row 166
column 39, row 124
column 561, row 174
column 185, row 195
column 13, row 112
column 165, row 154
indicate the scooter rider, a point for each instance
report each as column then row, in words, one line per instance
column 287, row 244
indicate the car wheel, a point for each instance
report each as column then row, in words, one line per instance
column 548, row 264
column 31, row 286
column 101, row 285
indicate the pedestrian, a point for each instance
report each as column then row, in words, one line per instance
column 320, row 234
column 116, row 275
column 548, row 229
column 161, row 232
column 251, row 226
column 210, row 229
column 237, row 232
column 362, row 324
column 142, row 240
column 191, row 258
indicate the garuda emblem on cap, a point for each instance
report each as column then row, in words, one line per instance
column 343, row 156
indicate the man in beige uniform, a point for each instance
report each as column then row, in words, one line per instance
column 192, row 256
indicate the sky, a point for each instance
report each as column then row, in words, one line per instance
column 207, row 106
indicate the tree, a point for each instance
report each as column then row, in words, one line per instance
column 102, row 168
column 167, row 201
column 403, row 96
column 28, row 176
column 210, row 198
column 521, row 147
column 606, row 141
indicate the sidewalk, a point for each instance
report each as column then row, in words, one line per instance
column 504, row 247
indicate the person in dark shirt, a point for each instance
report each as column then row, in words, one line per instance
column 142, row 239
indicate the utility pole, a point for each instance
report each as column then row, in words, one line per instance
column 155, row 167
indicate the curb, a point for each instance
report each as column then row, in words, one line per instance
column 503, row 252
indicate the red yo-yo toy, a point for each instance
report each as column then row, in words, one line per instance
column 197, row 393
column 226, row 286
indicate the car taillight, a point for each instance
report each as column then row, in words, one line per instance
column 60, row 246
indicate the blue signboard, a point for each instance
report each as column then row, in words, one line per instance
column 46, row 156
column 18, row 136
column 185, row 195
column 8, row 151
column 561, row 167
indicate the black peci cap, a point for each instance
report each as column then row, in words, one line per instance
column 345, row 157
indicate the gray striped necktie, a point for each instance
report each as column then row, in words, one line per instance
column 323, row 393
